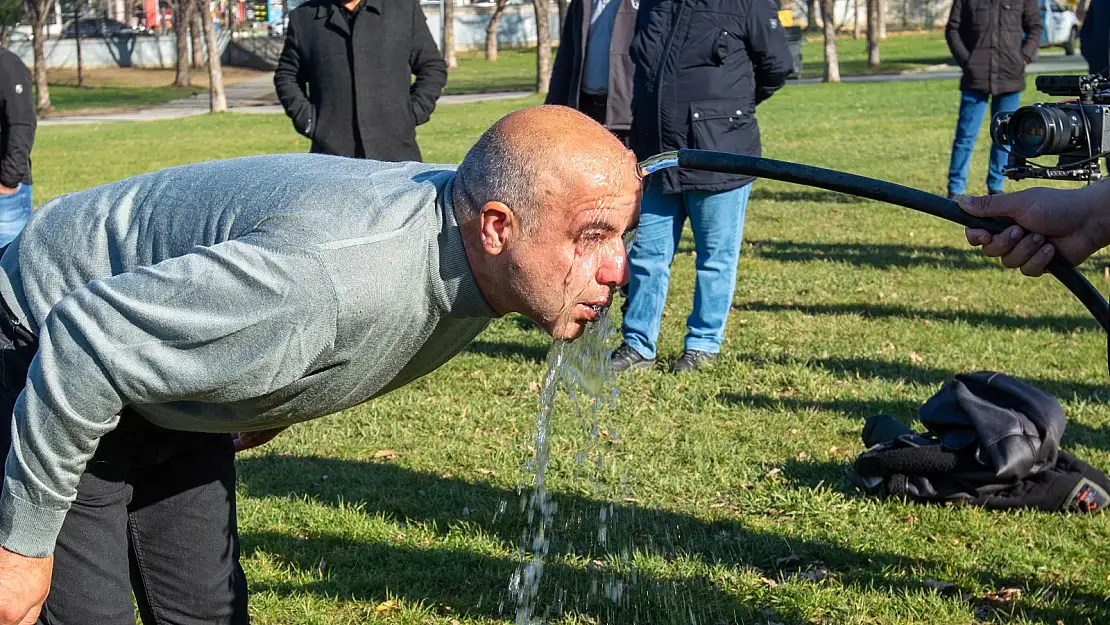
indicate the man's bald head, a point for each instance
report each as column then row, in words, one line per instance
column 532, row 156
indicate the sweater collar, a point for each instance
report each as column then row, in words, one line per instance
column 454, row 284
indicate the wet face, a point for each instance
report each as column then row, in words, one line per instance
column 566, row 273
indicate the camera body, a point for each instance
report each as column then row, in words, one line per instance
column 1077, row 131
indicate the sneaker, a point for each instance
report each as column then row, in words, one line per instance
column 692, row 359
column 625, row 358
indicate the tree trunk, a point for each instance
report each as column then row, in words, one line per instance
column 77, row 36
column 491, row 29
column 216, row 96
column 181, row 33
column 855, row 18
column 811, row 14
column 194, row 35
column 543, row 46
column 563, row 5
column 40, row 10
column 882, row 19
column 449, row 34
column 832, row 61
column 872, row 33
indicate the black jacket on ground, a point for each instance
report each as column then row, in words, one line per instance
column 566, row 74
column 350, row 91
column 17, row 120
column 985, row 37
column 991, row 441
column 702, row 66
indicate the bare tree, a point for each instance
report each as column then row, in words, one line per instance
column 543, row 46
column 832, row 61
column 39, row 11
column 216, row 96
column 181, row 32
column 77, row 36
column 882, row 19
column 872, row 33
column 563, row 4
column 194, row 35
column 491, row 29
column 449, row 34
column 855, row 19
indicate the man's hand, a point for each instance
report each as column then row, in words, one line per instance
column 1069, row 222
column 247, row 440
column 24, row 583
column 8, row 190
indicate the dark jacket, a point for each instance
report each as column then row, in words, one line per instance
column 702, row 66
column 359, row 101
column 1094, row 37
column 566, row 74
column 17, row 120
column 985, row 37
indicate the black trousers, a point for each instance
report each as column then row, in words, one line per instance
column 595, row 107
column 154, row 514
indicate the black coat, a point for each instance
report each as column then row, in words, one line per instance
column 566, row 73
column 985, row 37
column 702, row 66
column 359, row 101
column 1094, row 37
column 17, row 121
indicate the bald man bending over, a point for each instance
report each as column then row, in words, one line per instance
column 148, row 321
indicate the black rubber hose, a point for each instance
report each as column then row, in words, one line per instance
column 890, row 193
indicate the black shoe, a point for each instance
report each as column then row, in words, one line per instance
column 692, row 359
column 624, row 358
column 995, row 192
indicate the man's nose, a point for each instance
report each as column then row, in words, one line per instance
column 613, row 269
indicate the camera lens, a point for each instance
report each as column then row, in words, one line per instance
column 1038, row 130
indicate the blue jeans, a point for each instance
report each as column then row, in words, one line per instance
column 717, row 220
column 972, row 106
column 15, row 210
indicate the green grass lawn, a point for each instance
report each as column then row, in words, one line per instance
column 725, row 492
column 899, row 52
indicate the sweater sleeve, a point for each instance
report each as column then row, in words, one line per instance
column 219, row 324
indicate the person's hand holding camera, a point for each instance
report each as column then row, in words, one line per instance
column 1073, row 223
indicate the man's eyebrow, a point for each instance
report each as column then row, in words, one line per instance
column 599, row 226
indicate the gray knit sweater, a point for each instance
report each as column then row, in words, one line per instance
column 222, row 297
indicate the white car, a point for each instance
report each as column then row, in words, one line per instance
column 1061, row 26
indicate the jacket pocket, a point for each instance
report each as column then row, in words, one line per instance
column 711, row 40
column 723, row 125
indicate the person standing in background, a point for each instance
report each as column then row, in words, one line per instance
column 17, row 137
column 593, row 70
column 345, row 76
column 992, row 41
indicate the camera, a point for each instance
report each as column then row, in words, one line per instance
column 1078, row 131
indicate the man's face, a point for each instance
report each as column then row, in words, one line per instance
column 567, row 272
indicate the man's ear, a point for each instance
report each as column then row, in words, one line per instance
column 498, row 226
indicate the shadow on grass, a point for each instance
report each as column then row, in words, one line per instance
column 878, row 256
column 853, row 369
column 473, row 584
column 1056, row 323
column 509, row 351
column 814, row 195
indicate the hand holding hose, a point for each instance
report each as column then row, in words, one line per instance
column 1071, row 223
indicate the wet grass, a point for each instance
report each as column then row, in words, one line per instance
column 736, row 496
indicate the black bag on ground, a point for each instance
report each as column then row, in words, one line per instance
column 991, row 441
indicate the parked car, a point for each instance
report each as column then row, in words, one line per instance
column 98, row 27
column 1061, row 26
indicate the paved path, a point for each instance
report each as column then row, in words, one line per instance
column 257, row 94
